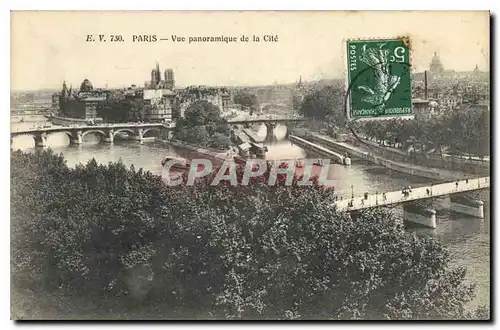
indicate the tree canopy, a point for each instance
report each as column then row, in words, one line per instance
column 462, row 131
column 119, row 240
column 117, row 108
column 324, row 102
column 203, row 125
column 246, row 99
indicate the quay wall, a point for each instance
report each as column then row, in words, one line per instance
column 429, row 173
column 449, row 162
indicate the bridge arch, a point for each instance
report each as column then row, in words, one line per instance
column 281, row 130
column 145, row 131
column 68, row 134
column 125, row 130
column 93, row 131
column 16, row 138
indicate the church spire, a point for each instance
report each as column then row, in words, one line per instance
column 158, row 73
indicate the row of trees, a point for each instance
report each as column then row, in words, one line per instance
column 460, row 131
column 203, row 125
column 120, row 241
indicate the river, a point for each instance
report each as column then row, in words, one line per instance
column 467, row 238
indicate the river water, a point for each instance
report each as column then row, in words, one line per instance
column 467, row 238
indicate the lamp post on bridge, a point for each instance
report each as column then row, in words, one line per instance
column 352, row 191
column 376, row 197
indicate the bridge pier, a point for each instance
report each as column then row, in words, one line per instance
column 41, row 139
column 138, row 137
column 110, row 137
column 416, row 215
column 466, row 205
column 288, row 129
column 270, row 137
column 77, row 138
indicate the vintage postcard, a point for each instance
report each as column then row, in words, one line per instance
column 258, row 165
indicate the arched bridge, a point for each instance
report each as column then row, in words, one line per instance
column 270, row 123
column 266, row 120
column 107, row 131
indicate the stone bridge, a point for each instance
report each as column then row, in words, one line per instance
column 270, row 123
column 108, row 131
column 459, row 192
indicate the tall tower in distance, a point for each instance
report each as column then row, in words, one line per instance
column 158, row 73
column 436, row 67
column 169, row 78
column 153, row 79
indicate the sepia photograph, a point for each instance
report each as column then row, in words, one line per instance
column 250, row 165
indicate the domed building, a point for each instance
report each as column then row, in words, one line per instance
column 86, row 86
column 83, row 104
column 436, row 67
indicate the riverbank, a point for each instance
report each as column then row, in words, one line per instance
column 29, row 118
column 472, row 165
column 437, row 174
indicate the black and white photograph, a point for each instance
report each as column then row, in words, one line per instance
column 250, row 165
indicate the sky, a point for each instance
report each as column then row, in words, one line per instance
column 48, row 48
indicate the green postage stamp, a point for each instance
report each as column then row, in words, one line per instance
column 379, row 79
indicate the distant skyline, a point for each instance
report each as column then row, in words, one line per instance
column 48, row 48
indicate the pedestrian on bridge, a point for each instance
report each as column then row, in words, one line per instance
column 427, row 191
column 384, row 196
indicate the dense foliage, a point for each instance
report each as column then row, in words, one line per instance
column 118, row 109
column 460, row 131
column 246, row 99
column 324, row 102
column 203, row 125
column 121, row 241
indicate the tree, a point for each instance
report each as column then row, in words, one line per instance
column 322, row 102
column 202, row 112
column 117, row 108
column 246, row 99
column 120, row 239
column 203, row 125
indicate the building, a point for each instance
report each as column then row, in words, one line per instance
column 158, row 104
column 157, row 83
column 218, row 96
column 55, row 102
column 82, row 104
column 421, row 108
column 436, row 67
column 159, row 96
column 169, row 79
